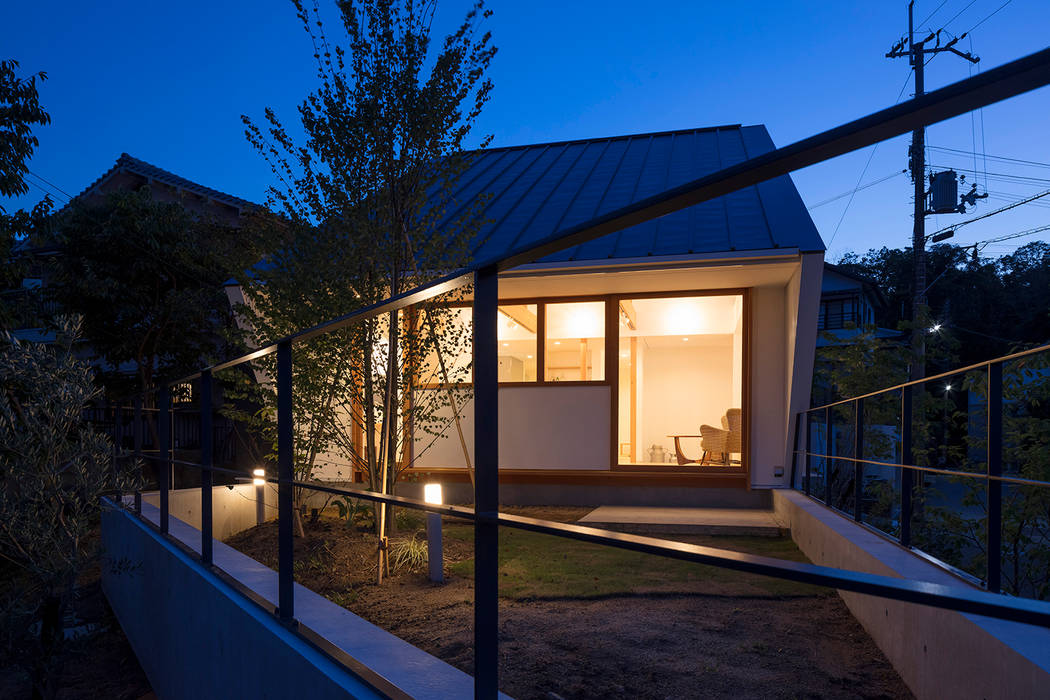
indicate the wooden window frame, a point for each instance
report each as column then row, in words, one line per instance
column 612, row 353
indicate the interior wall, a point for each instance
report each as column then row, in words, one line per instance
column 684, row 388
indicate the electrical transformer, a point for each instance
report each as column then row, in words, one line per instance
column 944, row 193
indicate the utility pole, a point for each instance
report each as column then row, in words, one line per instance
column 916, row 51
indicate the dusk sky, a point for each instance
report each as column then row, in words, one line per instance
column 167, row 83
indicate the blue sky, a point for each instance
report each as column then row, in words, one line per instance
column 167, row 83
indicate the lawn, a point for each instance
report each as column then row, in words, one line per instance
column 582, row 621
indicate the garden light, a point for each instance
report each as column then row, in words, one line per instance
column 260, row 477
column 432, row 493
column 935, row 327
column 435, row 550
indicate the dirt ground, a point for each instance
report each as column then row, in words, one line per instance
column 99, row 665
column 641, row 627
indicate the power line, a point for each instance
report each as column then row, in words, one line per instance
column 988, row 17
column 956, row 15
column 930, row 16
column 1019, row 161
column 1000, row 210
column 871, row 155
column 862, row 187
column 1029, row 178
column 56, row 187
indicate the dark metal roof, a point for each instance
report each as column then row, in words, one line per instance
column 540, row 189
column 127, row 163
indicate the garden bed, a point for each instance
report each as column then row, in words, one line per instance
column 584, row 621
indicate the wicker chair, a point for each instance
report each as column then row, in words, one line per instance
column 722, row 441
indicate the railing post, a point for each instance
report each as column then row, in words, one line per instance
column 858, row 454
column 794, row 452
column 809, row 457
column 827, row 456
column 907, row 475
column 164, row 453
column 486, row 486
column 995, row 468
column 285, row 477
column 206, row 464
column 137, row 436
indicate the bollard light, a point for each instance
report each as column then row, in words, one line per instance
column 435, row 551
column 259, row 475
column 432, row 494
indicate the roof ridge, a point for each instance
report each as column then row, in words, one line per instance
column 126, row 161
column 620, row 137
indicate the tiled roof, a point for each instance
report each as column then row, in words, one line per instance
column 540, row 189
column 127, row 163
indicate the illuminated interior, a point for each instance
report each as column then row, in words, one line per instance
column 516, row 334
column 680, row 368
column 575, row 342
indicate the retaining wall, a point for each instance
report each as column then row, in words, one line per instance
column 938, row 653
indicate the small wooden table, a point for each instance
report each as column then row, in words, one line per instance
column 682, row 459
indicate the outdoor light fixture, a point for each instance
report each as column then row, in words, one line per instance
column 947, row 387
column 936, row 327
column 260, row 495
column 432, row 493
column 435, row 550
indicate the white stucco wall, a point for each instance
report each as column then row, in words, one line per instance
column 768, row 381
column 540, row 427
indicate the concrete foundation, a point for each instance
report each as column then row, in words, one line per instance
column 938, row 653
column 196, row 636
column 594, row 496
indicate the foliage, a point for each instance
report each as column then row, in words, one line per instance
column 987, row 305
column 957, row 532
column 53, row 473
column 147, row 277
column 408, row 553
column 20, row 110
column 363, row 203
column 21, row 307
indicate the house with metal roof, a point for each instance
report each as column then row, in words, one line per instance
column 670, row 355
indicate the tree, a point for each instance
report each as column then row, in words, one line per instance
column 20, row 110
column 53, row 472
column 147, row 277
column 365, row 193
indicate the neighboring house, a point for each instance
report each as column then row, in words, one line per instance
column 611, row 348
column 127, row 174
column 848, row 303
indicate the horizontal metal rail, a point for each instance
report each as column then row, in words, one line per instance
column 986, row 88
column 932, row 378
column 1009, row 80
column 935, row 595
column 933, row 470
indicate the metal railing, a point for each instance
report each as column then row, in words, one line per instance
column 818, row 482
column 1006, row 81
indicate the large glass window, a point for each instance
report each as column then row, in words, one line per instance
column 681, row 376
column 574, row 347
column 516, row 333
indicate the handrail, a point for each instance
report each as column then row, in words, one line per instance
column 986, row 88
column 932, row 470
column 943, row 375
column 1008, row 80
